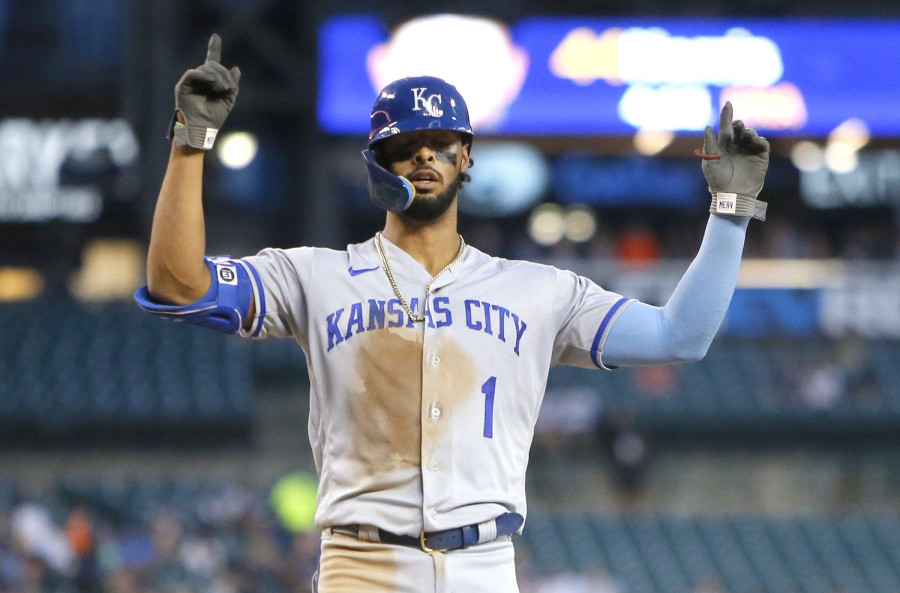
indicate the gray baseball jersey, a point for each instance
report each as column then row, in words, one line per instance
column 425, row 426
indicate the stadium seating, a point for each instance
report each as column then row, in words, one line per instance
column 68, row 369
column 71, row 370
column 850, row 553
column 793, row 386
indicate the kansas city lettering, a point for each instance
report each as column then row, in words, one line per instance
column 482, row 315
column 373, row 314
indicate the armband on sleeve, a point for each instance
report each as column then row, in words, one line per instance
column 234, row 285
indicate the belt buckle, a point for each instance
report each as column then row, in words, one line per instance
column 425, row 548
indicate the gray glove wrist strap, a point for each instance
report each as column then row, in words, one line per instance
column 737, row 205
column 194, row 136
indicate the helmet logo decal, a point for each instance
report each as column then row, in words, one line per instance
column 430, row 104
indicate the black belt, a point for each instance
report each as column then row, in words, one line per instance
column 441, row 541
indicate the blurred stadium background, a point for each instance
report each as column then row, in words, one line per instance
column 143, row 457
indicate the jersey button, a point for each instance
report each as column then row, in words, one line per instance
column 434, row 466
column 435, row 412
column 436, row 360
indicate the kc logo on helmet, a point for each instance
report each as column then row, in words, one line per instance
column 431, row 104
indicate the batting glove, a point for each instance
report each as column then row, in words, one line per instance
column 734, row 164
column 204, row 97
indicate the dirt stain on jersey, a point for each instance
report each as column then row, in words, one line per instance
column 448, row 384
column 385, row 412
column 389, row 409
column 350, row 566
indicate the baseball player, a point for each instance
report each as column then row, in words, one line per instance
column 427, row 358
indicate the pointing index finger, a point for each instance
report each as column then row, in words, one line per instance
column 214, row 50
column 726, row 133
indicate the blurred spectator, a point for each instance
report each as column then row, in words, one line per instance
column 303, row 560
column 34, row 530
column 80, row 535
column 656, row 381
column 821, row 384
column 810, row 379
column 568, row 415
column 638, row 245
column 860, row 377
column 39, row 577
column 227, row 504
column 626, row 447
column 786, row 240
column 166, row 572
column 122, row 581
column 202, row 555
column 262, row 556
column 222, row 540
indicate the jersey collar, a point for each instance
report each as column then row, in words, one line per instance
column 403, row 265
column 363, row 255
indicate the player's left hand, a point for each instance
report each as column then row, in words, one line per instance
column 734, row 163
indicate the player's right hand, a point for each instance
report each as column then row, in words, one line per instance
column 203, row 98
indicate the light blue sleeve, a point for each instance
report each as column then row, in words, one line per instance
column 683, row 329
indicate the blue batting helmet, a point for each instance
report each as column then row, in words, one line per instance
column 419, row 103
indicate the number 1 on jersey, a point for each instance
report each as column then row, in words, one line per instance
column 488, row 390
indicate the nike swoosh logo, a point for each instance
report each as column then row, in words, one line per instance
column 358, row 272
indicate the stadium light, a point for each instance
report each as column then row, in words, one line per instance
column 840, row 157
column 807, row 156
column 236, row 150
column 580, row 224
column 651, row 142
column 547, row 224
column 843, row 144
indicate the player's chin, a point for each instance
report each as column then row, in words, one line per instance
column 427, row 208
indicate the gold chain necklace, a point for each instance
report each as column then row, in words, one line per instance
column 390, row 275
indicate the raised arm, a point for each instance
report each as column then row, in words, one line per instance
column 176, row 271
column 734, row 163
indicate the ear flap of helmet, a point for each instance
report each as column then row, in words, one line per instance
column 391, row 192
